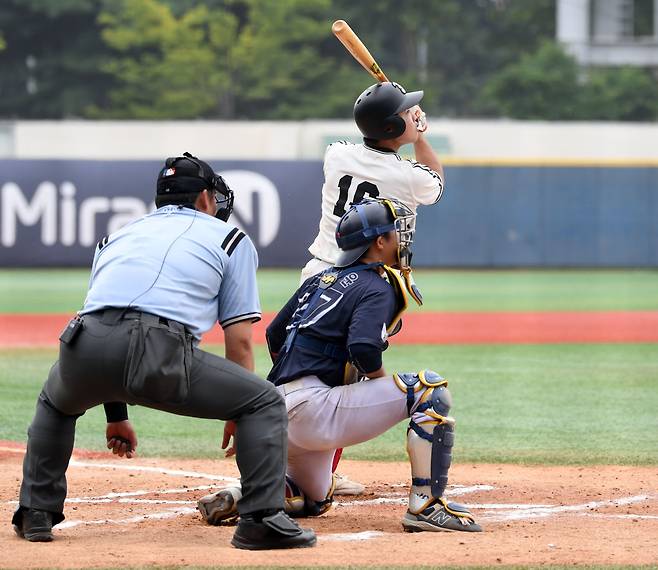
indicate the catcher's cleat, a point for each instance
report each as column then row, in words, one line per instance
column 345, row 486
column 221, row 507
column 438, row 516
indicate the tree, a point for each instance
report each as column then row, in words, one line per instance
column 449, row 48
column 51, row 61
column 542, row 85
column 163, row 66
column 285, row 63
column 620, row 94
column 277, row 59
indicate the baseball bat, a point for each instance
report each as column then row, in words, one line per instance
column 354, row 45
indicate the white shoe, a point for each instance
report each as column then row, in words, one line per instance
column 220, row 507
column 345, row 486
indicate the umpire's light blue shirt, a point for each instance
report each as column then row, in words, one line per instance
column 181, row 264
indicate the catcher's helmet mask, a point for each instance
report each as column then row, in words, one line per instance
column 187, row 176
column 376, row 110
column 369, row 219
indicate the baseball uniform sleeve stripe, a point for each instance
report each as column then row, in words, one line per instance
column 436, row 186
column 253, row 317
column 234, row 243
column 103, row 242
column 238, row 294
column 229, row 237
column 427, row 169
column 232, row 240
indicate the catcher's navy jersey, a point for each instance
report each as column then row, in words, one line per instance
column 356, row 309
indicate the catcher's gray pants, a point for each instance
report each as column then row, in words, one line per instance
column 91, row 371
column 322, row 419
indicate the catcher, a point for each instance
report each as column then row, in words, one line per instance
column 345, row 315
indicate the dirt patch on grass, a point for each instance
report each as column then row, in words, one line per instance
column 142, row 512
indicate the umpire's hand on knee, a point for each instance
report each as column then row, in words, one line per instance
column 121, row 438
column 229, row 432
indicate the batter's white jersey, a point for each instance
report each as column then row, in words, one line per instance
column 355, row 171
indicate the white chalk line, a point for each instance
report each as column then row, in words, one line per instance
column 170, row 514
column 144, row 468
column 131, row 501
column 161, row 470
column 144, row 492
column 549, row 511
column 515, row 511
column 453, row 491
column 627, row 516
column 12, row 449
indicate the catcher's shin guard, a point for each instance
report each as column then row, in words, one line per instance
column 430, row 438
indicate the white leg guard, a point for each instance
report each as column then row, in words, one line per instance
column 430, row 439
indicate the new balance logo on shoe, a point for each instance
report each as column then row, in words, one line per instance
column 440, row 516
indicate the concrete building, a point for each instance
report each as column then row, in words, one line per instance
column 609, row 32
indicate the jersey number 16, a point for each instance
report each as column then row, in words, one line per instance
column 362, row 189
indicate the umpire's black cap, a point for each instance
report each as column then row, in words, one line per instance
column 183, row 175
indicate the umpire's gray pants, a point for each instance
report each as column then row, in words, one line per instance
column 91, row 372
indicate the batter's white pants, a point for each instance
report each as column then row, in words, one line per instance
column 313, row 267
column 322, row 419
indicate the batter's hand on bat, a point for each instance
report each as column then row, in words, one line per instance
column 121, row 438
column 420, row 119
column 229, row 432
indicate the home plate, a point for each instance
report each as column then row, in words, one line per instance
column 348, row 536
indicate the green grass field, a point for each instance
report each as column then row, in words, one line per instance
column 545, row 404
column 63, row 290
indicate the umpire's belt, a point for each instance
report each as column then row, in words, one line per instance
column 114, row 315
column 318, row 346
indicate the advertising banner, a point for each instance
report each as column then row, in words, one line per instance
column 53, row 212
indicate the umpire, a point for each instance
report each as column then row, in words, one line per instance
column 157, row 285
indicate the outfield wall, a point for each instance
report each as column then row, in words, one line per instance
column 453, row 139
column 52, row 212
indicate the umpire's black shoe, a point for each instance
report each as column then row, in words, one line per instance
column 269, row 532
column 34, row 525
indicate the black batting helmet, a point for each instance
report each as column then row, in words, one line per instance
column 376, row 110
column 182, row 177
column 364, row 221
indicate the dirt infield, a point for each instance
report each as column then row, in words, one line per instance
column 142, row 512
column 419, row 328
